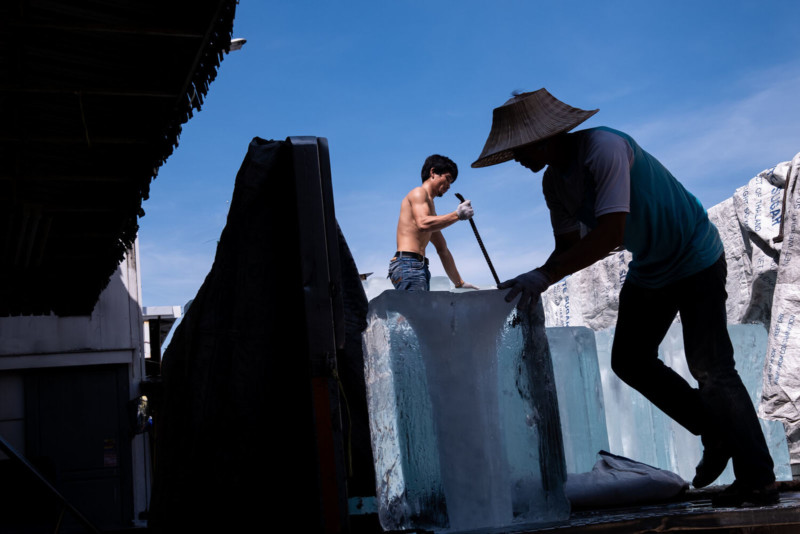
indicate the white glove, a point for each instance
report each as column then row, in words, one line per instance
column 467, row 285
column 465, row 211
column 531, row 284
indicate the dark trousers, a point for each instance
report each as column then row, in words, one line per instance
column 720, row 408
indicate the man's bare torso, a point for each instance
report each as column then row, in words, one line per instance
column 409, row 237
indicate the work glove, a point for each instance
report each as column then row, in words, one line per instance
column 467, row 285
column 465, row 211
column 531, row 284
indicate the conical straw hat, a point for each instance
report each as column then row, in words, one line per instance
column 527, row 118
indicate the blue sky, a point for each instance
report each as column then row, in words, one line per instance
column 708, row 87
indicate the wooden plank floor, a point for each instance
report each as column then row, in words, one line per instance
column 692, row 512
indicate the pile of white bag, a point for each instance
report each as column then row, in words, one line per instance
column 781, row 387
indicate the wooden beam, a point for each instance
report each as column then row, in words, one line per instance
column 97, row 91
column 109, row 178
column 95, row 28
column 79, row 140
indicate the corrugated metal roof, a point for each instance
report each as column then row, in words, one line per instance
column 92, row 98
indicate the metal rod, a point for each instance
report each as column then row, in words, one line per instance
column 778, row 238
column 16, row 457
column 480, row 243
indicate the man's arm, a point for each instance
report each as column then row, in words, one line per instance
column 573, row 254
column 570, row 256
column 448, row 262
column 427, row 221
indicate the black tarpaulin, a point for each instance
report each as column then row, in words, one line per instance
column 249, row 420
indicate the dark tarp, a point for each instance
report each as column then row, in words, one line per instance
column 235, row 423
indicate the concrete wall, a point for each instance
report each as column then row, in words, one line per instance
column 112, row 335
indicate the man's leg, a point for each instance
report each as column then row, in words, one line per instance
column 644, row 317
column 709, row 354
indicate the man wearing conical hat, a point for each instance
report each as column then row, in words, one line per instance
column 418, row 225
column 604, row 192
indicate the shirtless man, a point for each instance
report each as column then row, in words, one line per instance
column 418, row 225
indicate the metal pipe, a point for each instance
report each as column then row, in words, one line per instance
column 480, row 243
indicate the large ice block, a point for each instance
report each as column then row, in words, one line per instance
column 580, row 395
column 463, row 413
column 640, row 431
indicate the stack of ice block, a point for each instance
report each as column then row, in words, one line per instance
column 640, row 431
column 465, row 405
column 463, row 413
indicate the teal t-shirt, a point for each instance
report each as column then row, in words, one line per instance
column 667, row 230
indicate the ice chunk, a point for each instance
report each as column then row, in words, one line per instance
column 580, row 396
column 639, row 430
column 631, row 420
column 440, row 283
column 375, row 285
column 463, row 413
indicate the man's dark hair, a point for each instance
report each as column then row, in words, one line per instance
column 440, row 165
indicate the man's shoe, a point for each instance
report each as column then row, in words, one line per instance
column 712, row 464
column 738, row 494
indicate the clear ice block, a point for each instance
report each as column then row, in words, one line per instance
column 640, row 431
column 375, row 285
column 463, row 413
column 635, row 427
column 440, row 283
column 580, row 395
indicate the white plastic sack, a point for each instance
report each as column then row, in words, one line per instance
column 616, row 480
column 780, row 397
column 589, row 297
column 758, row 207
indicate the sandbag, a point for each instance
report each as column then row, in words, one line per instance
column 617, row 481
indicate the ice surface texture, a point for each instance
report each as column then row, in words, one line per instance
column 580, row 395
column 375, row 285
column 639, row 430
column 463, row 413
